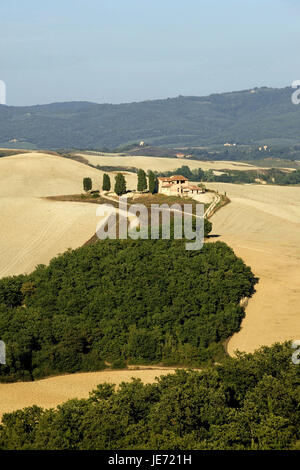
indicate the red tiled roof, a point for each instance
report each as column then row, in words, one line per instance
column 190, row 187
column 178, row 178
column 173, row 178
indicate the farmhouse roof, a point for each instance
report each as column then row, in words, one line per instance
column 173, row 178
column 192, row 186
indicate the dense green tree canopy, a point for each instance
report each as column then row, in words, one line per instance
column 270, row 176
column 120, row 184
column 152, row 182
column 142, row 180
column 251, row 402
column 106, row 182
column 265, row 116
column 87, row 184
column 141, row 301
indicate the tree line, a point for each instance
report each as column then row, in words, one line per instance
column 247, row 403
column 134, row 301
column 270, row 176
column 145, row 182
column 177, row 122
column 241, row 153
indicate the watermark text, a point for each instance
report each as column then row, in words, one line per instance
column 137, row 221
column 2, row 92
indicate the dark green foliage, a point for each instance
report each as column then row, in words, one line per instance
column 87, row 184
column 118, row 364
column 270, row 176
column 120, row 184
column 110, row 168
column 142, row 181
column 273, row 156
column 106, row 182
column 248, row 403
column 141, row 301
column 280, row 177
column 27, row 289
column 10, row 291
column 152, row 182
column 243, row 117
column 207, row 227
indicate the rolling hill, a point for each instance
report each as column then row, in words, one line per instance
column 35, row 229
column 245, row 117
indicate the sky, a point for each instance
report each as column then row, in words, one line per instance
column 116, row 51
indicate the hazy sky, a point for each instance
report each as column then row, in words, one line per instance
column 132, row 50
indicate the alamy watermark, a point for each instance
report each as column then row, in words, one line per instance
column 2, row 353
column 296, row 354
column 137, row 221
column 296, row 93
column 2, row 92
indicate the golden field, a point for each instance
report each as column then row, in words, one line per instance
column 161, row 164
column 48, row 393
column 34, row 229
column 262, row 225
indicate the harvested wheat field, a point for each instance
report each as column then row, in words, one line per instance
column 262, row 225
column 34, row 230
column 39, row 174
column 49, row 393
column 162, row 164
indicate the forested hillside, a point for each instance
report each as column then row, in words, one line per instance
column 269, row 176
column 136, row 301
column 244, row 117
column 251, row 402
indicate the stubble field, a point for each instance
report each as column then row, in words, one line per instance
column 262, row 225
column 162, row 164
column 49, row 393
column 33, row 229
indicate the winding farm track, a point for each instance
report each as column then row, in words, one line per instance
column 262, row 225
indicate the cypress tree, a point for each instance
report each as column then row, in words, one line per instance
column 120, row 184
column 106, row 182
column 152, row 182
column 87, row 184
column 142, row 181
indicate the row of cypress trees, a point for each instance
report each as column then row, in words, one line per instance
column 142, row 181
column 120, row 183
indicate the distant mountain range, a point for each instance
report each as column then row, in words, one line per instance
column 261, row 115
